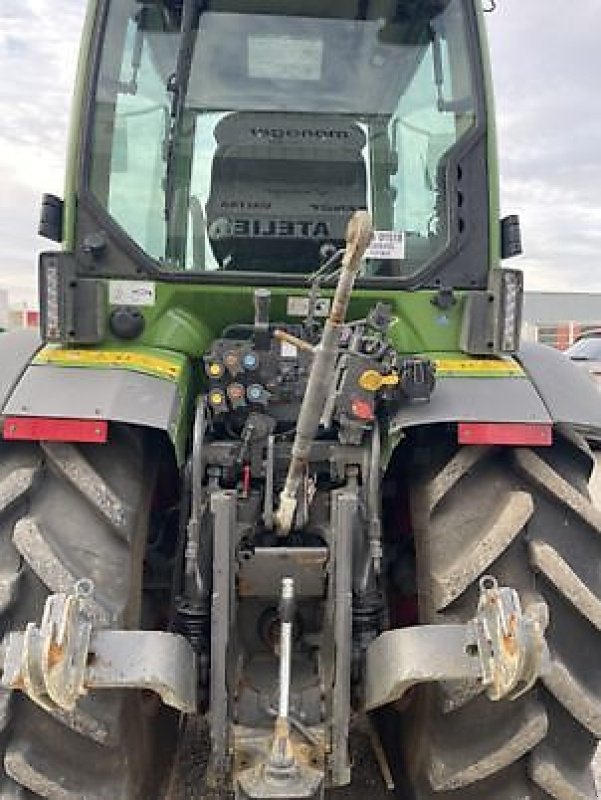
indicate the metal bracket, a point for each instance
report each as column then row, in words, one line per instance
column 344, row 512
column 60, row 660
column 511, row 645
column 502, row 648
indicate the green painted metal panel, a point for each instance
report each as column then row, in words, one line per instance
column 186, row 318
column 76, row 126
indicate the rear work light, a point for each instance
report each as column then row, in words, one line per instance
column 492, row 318
column 48, row 429
column 507, row 433
column 512, row 289
column 72, row 310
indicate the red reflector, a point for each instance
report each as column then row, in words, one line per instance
column 512, row 433
column 46, row 429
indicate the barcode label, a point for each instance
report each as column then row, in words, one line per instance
column 387, row 245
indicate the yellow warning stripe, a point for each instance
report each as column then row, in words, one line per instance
column 477, row 368
column 106, row 359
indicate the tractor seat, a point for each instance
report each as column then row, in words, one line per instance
column 283, row 187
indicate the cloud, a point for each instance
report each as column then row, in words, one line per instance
column 545, row 59
column 38, row 53
column 545, row 64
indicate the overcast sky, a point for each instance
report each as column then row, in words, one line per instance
column 547, row 64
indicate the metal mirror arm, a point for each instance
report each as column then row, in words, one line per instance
column 131, row 86
column 178, row 87
column 461, row 105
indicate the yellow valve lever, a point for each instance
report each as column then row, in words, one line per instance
column 372, row 381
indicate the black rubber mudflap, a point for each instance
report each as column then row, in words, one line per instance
column 525, row 517
column 68, row 512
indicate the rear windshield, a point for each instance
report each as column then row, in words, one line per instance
column 248, row 143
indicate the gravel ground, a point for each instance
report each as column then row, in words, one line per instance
column 188, row 777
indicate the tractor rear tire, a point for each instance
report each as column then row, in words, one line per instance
column 525, row 517
column 69, row 512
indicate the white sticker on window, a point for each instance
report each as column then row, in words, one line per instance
column 285, row 58
column 299, row 307
column 132, row 293
column 387, row 245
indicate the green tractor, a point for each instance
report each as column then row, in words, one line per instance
column 284, row 505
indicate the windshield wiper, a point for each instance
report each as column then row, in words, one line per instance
column 178, row 88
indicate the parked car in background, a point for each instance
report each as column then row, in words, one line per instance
column 586, row 353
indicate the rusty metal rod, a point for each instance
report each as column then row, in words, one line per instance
column 284, row 336
column 358, row 236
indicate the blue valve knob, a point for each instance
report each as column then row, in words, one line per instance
column 250, row 361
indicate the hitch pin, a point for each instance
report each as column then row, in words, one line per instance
column 286, row 614
column 281, row 775
column 282, row 756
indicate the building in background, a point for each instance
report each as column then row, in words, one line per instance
column 559, row 318
column 23, row 317
column 16, row 315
